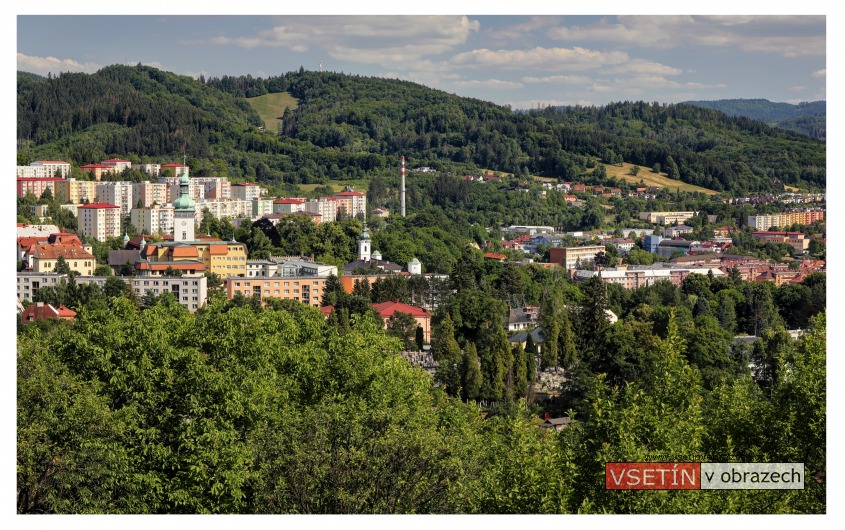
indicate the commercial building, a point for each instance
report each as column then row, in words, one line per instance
column 666, row 218
column 305, row 289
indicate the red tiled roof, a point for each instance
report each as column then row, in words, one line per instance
column 114, row 160
column 97, row 206
column 327, row 309
column 494, row 255
column 46, row 311
column 95, row 166
column 387, row 309
column 175, row 265
column 184, row 252
column 288, row 201
column 173, row 165
column 66, row 251
column 243, row 184
column 216, row 250
column 40, row 179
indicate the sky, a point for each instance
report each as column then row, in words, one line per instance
column 518, row 60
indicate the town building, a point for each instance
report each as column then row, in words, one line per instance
column 245, row 191
column 72, row 191
column 286, row 206
column 325, row 206
column 155, row 219
column 386, row 310
column 97, row 171
column 351, row 203
column 214, row 187
column 119, row 164
column 176, row 170
column 153, row 170
column 305, row 289
column 44, row 257
column 99, row 220
column 794, row 239
column 780, row 220
column 634, row 277
column 668, row 247
column 118, row 193
column 42, row 311
column 677, row 231
column 45, row 169
column 148, row 193
column 570, row 257
column 666, row 218
column 36, row 186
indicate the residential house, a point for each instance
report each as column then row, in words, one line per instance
column 42, row 311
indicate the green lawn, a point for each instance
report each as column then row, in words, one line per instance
column 271, row 107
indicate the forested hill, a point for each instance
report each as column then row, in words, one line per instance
column 808, row 117
column 349, row 126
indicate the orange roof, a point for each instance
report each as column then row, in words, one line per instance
column 66, row 251
column 175, row 265
column 349, row 194
column 387, row 309
column 494, row 255
column 45, row 311
column 216, row 250
column 26, row 242
column 97, row 205
column 184, row 252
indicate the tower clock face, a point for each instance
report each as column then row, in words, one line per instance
column 184, row 223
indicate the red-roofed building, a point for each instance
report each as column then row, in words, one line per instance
column 794, row 239
column 119, row 164
column 288, row 206
column 43, row 258
column 495, row 256
column 176, row 169
column 351, row 203
column 387, row 309
column 36, row 186
column 723, row 231
column 97, row 170
column 42, row 311
column 99, row 220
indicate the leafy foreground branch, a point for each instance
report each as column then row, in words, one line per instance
column 251, row 410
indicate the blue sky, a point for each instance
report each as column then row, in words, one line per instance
column 518, row 60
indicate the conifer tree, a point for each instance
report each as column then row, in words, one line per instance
column 567, row 352
column 472, row 378
column 520, row 378
column 447, row 353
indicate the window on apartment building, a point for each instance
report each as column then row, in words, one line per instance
column 287, row 291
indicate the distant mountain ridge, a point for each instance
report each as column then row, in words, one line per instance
column 806, row 117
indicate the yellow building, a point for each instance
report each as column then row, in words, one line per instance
column 73, row 191
column 45, row 257
column 225, row 258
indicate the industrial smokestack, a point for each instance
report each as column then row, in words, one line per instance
column 403, row 187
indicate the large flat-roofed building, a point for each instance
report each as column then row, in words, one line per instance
column 149, row 193
column 305, row 289
column 794, row 239
column 570, row 257
column 190, row 291
column 780, row 220
column 245, row 191
column 45, row 257
column 641, row 276
column 666, row 218
column 325, row 206
column 118, row 193
column 45, row 168
column 351, row 203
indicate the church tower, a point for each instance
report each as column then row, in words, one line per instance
column 183, row 213
column 364, row 245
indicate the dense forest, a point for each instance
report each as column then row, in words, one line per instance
column 241, row 408
column 807, row 117
column 349, row 127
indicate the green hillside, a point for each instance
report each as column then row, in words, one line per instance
column 807, row 117
column 271, row 108
column 348, row 127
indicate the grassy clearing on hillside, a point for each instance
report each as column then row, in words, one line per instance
column 652, row 179
column 357, row 185
column 271, row 107
column 791, row 188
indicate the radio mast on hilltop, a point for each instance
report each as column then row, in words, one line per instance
column 402, row 197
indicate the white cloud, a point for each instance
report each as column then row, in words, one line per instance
column 386, row 40
column 45, row 65
column 538, row 58
column 487, row 83
column 797, row 88
column 820, row 73
column 559, row 79
column 642, row 67
column 789, row 36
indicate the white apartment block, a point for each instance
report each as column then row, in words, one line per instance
column 177, row 169
column 99, row 220
column 156, row 219
column 325, row 206
column 231, row 208
column 780, row 220
column 44, row 169
column 191, row 291
column 153, row 170
column 352, row 203
column 119, row 193
column 666, row 218
column 641, row 276
column 149, row 193
column 119, row 164
column 214, row 187
column 261, row 207
column 245, row 191
column 288, row 205
column 196, row 190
